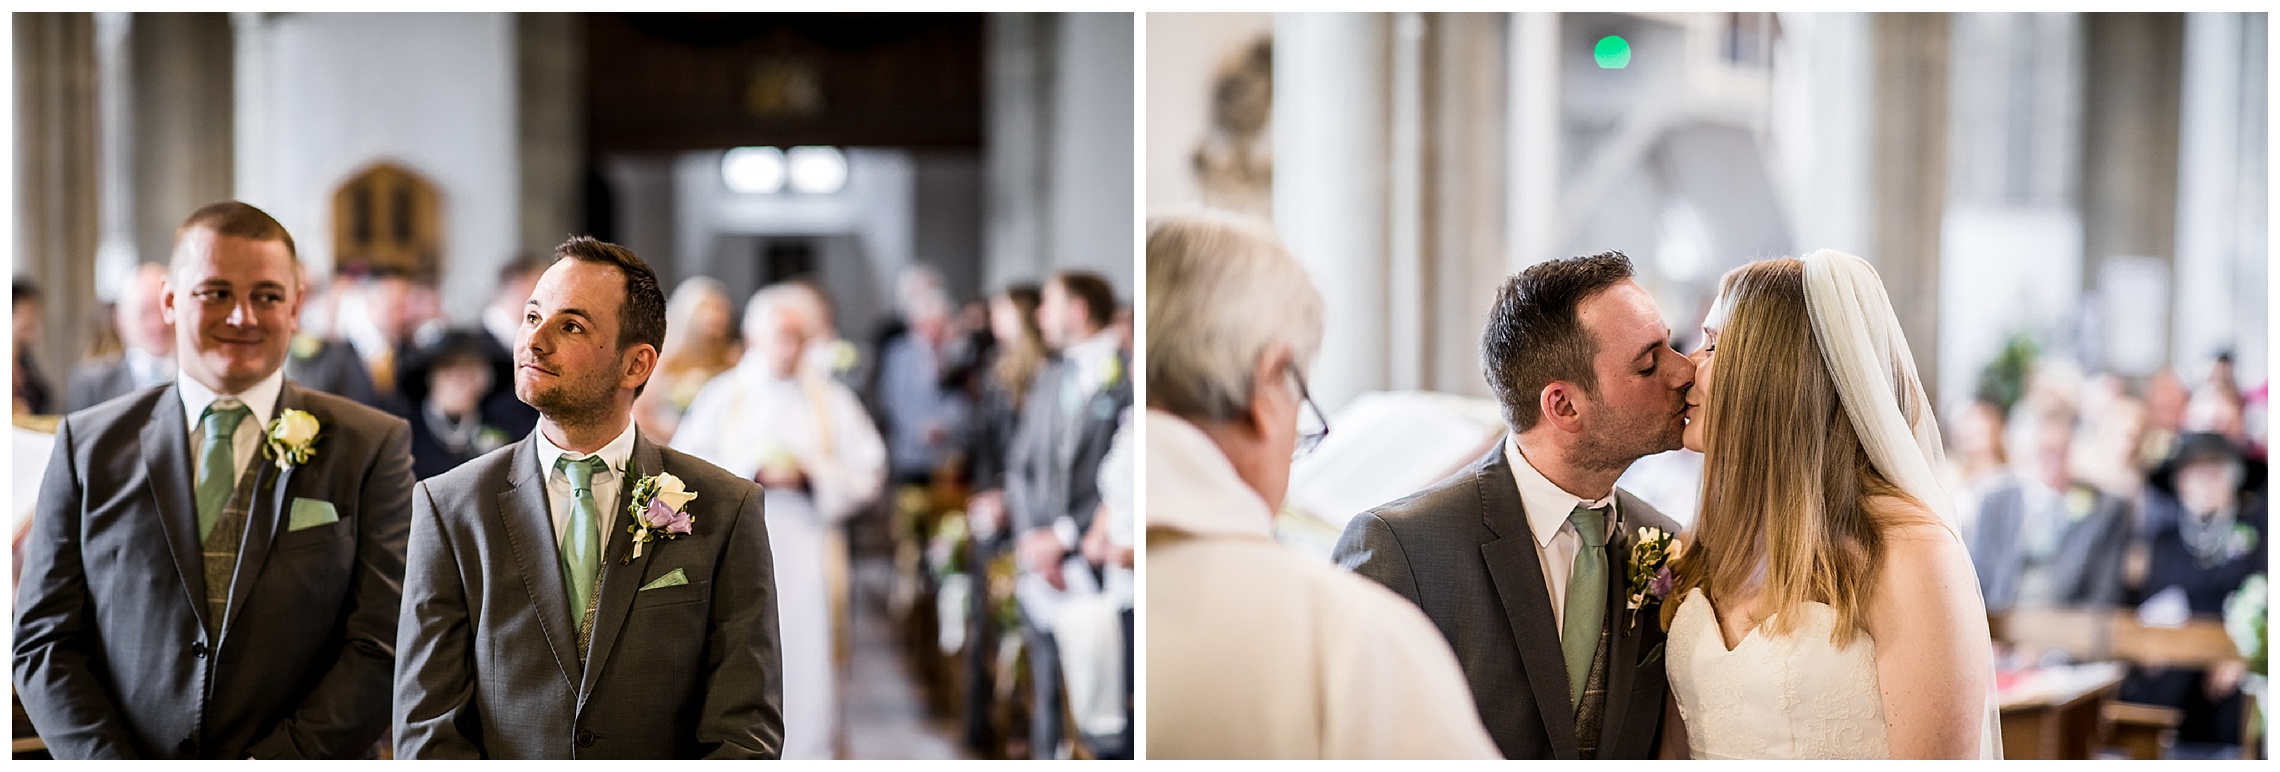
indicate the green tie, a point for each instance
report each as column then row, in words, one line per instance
column 1586, row 599
column 581, row 541
column 217, row 464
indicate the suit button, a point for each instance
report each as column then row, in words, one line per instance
column 586, row 738
column 198, row 650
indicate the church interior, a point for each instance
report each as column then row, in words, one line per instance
column 898, row 165
column 2070, row 211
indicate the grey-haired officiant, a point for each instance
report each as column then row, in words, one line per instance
column 586, row 592
column 214, row 565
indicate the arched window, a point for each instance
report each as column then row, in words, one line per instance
column 386, row 217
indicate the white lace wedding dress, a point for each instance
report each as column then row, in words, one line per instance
column 1795, row 696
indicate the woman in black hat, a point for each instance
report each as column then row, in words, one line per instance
column 2205, row 533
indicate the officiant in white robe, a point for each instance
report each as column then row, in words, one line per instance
column 820, row 460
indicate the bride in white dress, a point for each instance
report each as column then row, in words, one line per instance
column 1824, row 606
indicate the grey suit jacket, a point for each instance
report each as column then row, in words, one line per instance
column 332, row 367
column 1053, row 467
column 112, row 658
column 490, row 666
column 2085, row 569
column 1462, row 551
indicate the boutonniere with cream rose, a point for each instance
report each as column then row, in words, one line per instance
column 1650, row 575
column 291, row 438
column 660, row 509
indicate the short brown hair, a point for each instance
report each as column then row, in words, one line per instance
column 1533, row 336
column 641, row 318
column 1099, row 297
column 240, row 220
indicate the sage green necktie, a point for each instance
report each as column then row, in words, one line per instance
column 217, row 460
column 581, row 541
column 1586, row 599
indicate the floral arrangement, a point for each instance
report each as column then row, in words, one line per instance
column 659, row 505
column 1650, row 574
column 291, row 438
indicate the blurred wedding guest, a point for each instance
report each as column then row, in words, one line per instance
column 2106, row 455
column 2047, row 539
column 2206, row 528
column 1980, row 462
column 806, row 440
column 698, row 346
column 447, row 380
column 377, row 320
column 1053, row 470
column 146, row 356
column 319, row 359
column 2216, row 404
column 32, row 389
column 1108, row 546
column 1256, row 650
column 1016, row 353
column 501, row 318
column 922, row 414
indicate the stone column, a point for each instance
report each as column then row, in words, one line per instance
column 1909, row 188
column 1016, row 148
column 56, row 206
column 1464, row 238
column 2129, row 139
column 550, row 129
column 182, row 110
column 1331, row 157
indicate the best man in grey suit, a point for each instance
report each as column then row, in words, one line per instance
column 534, row 626
column 1521, row 559
column 205, row 593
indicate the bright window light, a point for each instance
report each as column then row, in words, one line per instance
column 754, row 169
column 817, row 169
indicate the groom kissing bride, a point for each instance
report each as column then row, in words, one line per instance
column 1822, row 606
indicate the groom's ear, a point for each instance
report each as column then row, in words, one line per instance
column 640, row 362
column 1561, row 404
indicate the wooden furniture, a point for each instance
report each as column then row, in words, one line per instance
column 2115, row 636
column 2058, row 713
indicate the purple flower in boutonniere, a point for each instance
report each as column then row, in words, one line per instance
column 1650, row 575
column 659, row 505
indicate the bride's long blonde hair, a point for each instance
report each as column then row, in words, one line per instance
column 1785, row 478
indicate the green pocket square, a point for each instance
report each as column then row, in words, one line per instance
column 673, row 579
column 310, row 513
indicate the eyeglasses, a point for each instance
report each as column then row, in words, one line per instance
column 1312, row 425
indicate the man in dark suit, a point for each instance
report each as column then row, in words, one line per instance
column 146, row 358
column 2044, row 539
column 1522, row 558
column 535, row 623
column 227, row 590
column 1052, row 479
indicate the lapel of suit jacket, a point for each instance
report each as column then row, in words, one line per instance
column 522, row 515
column 1622, row 662
column 1519, row 576
column 263, row 513
column 620, row 581
column 168, row 472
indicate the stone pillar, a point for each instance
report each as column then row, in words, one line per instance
column 550, row 128
column 1092, row 147
column 182, row 110
column 1464, row 237
column 2220, row 299
column 1017, row 148
column 1908, row 190
column 1331, row 159
column 56, row 206
column 2129, row 140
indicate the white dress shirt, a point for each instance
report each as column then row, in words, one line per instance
column 261, row 398
column 1547, row 507
column 606, row 484
column 1256, row 650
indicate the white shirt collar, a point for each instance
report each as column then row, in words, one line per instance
column 613, row 454
column 261, row 397
column 1547, row 505
column 1193, row 488
column 1100, row 345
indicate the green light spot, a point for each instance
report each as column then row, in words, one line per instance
column 1612, row 53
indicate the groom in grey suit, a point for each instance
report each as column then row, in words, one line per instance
column 188, row 592
column 1521, row 559
column 534, row 625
